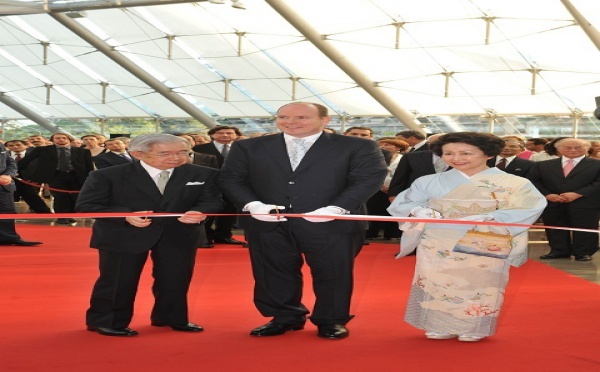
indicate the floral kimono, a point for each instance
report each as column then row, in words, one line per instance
column 459, row 293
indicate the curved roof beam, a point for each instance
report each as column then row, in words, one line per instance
column 587, row 27
column 405, row 116
column 28, row 113
column 132, row 68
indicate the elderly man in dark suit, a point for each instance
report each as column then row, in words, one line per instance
column 161, row 181
column 571, row 184
column 8, row 170
column 508, row 160
column 303, row 171
column 62, row 167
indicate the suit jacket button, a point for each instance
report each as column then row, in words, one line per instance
column 292, row 183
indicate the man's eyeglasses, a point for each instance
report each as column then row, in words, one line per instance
column 165, row 155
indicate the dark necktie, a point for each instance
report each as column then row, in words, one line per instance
column 501, row 164
column 125, row 157
column 18, row 156
column 225, row 151
column 63, row 163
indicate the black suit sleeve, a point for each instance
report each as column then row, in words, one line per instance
column 400, row 179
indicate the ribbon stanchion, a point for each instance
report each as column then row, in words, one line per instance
column 351, row 217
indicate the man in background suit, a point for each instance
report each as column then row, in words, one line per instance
column 223, row 137
column 571, row 184
column 29, row 194
column 508, row 160
column 8, row 170
column 305, row 171
column 199, row 158
column 161, row 181
column 415, row 139
column 208, row 161
column 62, row 167
column 116, row 156
column 414, row 165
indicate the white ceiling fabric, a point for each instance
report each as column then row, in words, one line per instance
column 437, row 37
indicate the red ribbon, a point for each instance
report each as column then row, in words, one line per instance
column 350, row 217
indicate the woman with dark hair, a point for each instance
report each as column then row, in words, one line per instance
column 462, row 270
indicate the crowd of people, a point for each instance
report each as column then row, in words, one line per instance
column 222, row 180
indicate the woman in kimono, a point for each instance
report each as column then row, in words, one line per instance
column 457, row 294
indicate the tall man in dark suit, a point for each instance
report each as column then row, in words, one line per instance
column 116, row 156
column 305, row 171
column 162, row 181
column 571, row 184
column 223, row 137
column 8, row 170
column 62, row 167
column 508, row 160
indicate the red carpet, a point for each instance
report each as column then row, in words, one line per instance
column 549, row 322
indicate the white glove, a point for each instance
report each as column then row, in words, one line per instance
column 325, row 211
column 477, row 218
column 421, row 212
column 262, row 211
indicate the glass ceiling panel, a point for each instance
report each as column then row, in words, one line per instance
column 525, row 40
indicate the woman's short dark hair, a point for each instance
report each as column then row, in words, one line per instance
column 490, row 144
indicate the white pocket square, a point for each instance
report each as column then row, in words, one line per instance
column 194, row 183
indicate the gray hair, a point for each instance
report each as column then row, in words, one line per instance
column 585, row 143
column 144, row 142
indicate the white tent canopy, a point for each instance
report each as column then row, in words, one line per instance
column 107, row 59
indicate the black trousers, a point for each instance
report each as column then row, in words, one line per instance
column 277, row 257
column 222, row 225
column 7, row 227
column 576, row 243
column 113, row 296
column 30, row 195
column 64, row 202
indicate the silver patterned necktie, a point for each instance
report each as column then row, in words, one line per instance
column 225, row 151
column 298, row 152
column 163, row 178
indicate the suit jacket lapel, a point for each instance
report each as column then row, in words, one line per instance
column 278, row 151
column 173, row 189
column 322, row 146
column 582, row 165
column 142, row 180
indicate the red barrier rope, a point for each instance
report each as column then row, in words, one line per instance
column 45, row 187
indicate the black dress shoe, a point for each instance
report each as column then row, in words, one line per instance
column 64, row 221
column 21, row 242
column 333, row 331
column 206, row 245
column 274, row 328
column 228, row 241
column 190, row 327
column 552, row 256
column 119, row 332
column 584, row 257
